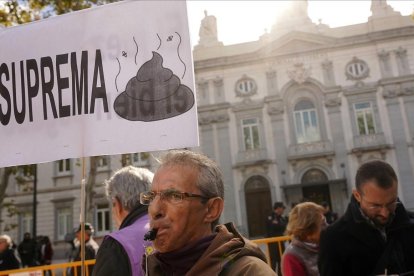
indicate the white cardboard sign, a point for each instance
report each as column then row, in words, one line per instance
column 108, row 80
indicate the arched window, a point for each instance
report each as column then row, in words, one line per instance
column 306, row 122
column 314, row 176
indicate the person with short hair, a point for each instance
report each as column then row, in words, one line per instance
column 275, row 227
column 9, row 258
column 185, row 204
column 306, row 220
column 122, row 251
column 91, row 247
column 27, row 250
column 376, row 234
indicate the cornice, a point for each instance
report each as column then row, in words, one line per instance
column 262, row 54
column 247, row 105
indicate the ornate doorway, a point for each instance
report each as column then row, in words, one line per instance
column 258, row 205
column 317, row 186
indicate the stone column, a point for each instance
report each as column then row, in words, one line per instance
column 333, row 105
column 404, row 167
column 203, row 97
column 271, row 78
column 328, row 73
column 402, row 61
column 408, row 100
column 275, row 109
column 385, row 64
column 218, row 90
column 225, row 157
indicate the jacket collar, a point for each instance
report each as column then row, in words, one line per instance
column 135, row 213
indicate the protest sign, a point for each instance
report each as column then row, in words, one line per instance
column 107, row 80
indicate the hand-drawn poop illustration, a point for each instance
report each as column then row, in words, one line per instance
column 155, row 93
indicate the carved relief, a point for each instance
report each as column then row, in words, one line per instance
column 218, row 82
column 245, row 87
column 328, row 72
column 390, row 92
column 356, row 69
column 299, row 73
column 333, row 102
column 401, row 52
column 212, row 117
column 275, row 109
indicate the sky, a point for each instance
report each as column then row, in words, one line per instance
column 242, row 21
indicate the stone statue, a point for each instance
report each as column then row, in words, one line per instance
column 380, row 8
column 208, row 29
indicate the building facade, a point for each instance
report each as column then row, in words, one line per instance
column 288, row 117
column 291, row 116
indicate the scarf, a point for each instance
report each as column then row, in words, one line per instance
column 179, row 262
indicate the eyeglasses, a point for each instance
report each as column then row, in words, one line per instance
column 378, row 207
column 172, row 196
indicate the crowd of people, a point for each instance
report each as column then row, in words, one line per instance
column 168, row 224
column 28, row 253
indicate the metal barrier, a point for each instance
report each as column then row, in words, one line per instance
column 267, row 241
column 64, row 269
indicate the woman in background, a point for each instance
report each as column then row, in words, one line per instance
column 306, row 220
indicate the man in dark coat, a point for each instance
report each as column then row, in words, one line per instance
column 376, row 234
column 27, row 250
column 122, row 251
column 275, row 227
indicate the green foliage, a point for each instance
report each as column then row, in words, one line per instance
column 11, row 210
column 17, row 12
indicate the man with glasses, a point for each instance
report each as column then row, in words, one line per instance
column 185, row 204
column 376, row 234
column 122, row 251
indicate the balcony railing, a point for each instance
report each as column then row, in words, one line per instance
column 251, row 157
column 308, row 150
column 370, row 141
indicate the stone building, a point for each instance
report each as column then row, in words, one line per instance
column 288, row 117
column 292, row 115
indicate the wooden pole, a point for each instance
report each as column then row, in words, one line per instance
column 82, row 216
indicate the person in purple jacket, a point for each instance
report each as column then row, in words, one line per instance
column 121, row 252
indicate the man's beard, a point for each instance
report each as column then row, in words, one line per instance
column 381, row 223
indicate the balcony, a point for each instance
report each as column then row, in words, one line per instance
column 370, row 142
column 310, row 150
column 252, row 157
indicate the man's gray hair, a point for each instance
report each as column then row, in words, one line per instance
column 210, row 180
column 126, row 185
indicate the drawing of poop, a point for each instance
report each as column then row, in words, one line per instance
column 154, row 94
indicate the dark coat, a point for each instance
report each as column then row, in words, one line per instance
column 112, row 258
column 90, row 254
column 9, row 260
column 351, row 246
column 27, row 251
column 275, row 225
